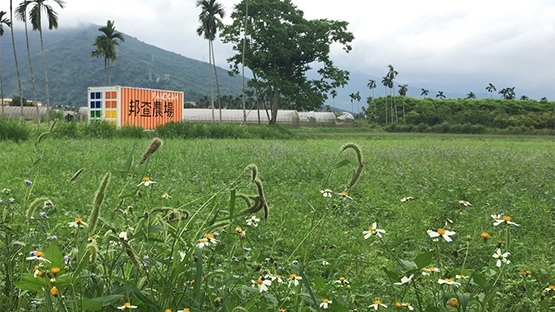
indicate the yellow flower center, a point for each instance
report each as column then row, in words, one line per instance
column 486, row 235
column 398, row 304
column 238, row 229
column 54, row 291
column 55, row 270
column 209, row 236
column 146, row 179
column 260, row 281
column 127, row 304
column 551, row 287
column 39, row 254
column 449, row 280
column 432, row 269
column 78, row 220
column 345, row 193
column 506, row 218
column 168, row 310
column 325, row 300
column 341, row 279
column 441, row 231
column 377, row 302
column 453, row 302
column 407, row 304
column 293, row 276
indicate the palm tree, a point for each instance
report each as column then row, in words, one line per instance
column 471, row 95
column 105, row 45
column 440, row 95
column 333, row 95
column 403, row 92
column 21, row 14
column 524, row 98
column 3, row 21
column 357, row 97
column 35, row 16
column 368, row 102
column 392, row 73
column 424, row 92
column 353, row 97
column 508, row 93
column 371, row 85
column 490, row 88
column 15, row 58
column 386, row 81
column 209, row 24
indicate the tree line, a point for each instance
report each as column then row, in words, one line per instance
column 493, row 113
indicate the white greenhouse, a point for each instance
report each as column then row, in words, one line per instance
column 317, row 119
column 284, row 117
column 29, row 112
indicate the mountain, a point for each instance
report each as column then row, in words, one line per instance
column 71, row 69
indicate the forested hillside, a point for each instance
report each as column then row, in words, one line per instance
column 71, row 69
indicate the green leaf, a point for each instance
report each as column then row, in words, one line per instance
column 394, row 277
column 29, row 282
column 157, row 228
column 424, row 259
column 342, row 163
column 54, row 254
column 90, row 305
column 464, row 298
column 319, row 283
column 479, row 279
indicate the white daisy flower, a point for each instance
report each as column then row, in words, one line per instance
column 501, row 257
column 373, row 230
column 441, row 232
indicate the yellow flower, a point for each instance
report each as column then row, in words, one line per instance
column 55, row 270
column 485, row 236
column 54, row 291
column 453, row 302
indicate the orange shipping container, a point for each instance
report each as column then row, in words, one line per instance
column 126, row 106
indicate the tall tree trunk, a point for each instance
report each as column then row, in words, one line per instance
column 211, row 83
column 16, row 62
column 108, row 73
column 45, row 79
column 31, row 70
column 243, row 61
column 386, row 106
column 1, row 88
column 217, row 83
column 274, row 107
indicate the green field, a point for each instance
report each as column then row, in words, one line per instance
column 309, row 239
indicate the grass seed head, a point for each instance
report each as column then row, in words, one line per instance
column 153, row 147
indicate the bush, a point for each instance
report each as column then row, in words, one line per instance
column 14, row 130
column 131, row 132
column 66, row 130
column 190, row 130
column 100, row 130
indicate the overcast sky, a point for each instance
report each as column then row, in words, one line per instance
column 450, row 45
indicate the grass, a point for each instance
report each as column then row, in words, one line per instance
column 209, row 188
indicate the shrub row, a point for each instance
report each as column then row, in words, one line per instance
column 18, row 130
column 466, row 128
